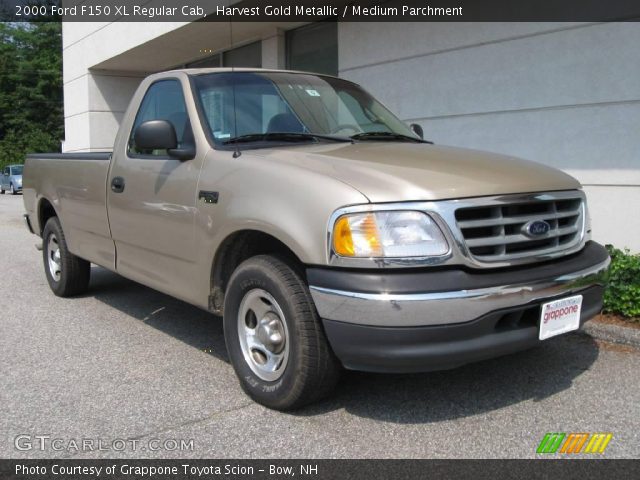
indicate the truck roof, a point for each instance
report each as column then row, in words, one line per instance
column 200, row 71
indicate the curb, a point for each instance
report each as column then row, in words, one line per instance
column 613, row 333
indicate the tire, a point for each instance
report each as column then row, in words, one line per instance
column 308, row 369
column 12, row 190
column 67, row 274
column 2, row 191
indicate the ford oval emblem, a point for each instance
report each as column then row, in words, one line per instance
column 536, row 228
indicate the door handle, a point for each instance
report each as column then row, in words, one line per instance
column 117, row 185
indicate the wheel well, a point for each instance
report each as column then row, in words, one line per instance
column 237, row 248
column 45, row 212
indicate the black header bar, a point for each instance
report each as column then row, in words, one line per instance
column 320, row 10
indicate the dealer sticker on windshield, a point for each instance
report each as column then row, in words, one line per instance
column 560, row 316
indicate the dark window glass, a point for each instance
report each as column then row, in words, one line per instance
column 313, row 48
column 163, row 101
column 213, row 61
column 248, row 56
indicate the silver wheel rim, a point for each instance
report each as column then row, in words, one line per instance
column 263, row 335
column 53, row 257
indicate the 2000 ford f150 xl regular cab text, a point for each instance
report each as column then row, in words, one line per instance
column 324, row 230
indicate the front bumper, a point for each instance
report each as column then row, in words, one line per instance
column 439, row 319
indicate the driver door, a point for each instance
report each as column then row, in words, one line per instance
column 152, row 198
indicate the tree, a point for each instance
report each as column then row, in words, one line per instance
column 31, row 109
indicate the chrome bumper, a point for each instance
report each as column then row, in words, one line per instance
column 445, row 308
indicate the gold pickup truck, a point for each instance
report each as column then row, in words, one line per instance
column 326, row 232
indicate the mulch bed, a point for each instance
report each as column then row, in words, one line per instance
column 612, row 319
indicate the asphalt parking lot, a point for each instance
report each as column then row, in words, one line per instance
column 126, row 363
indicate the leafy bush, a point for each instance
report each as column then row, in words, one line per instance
column 622, row 293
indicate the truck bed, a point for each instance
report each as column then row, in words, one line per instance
column 75, row 186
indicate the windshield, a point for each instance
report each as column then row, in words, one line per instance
column 237, row 104
column 16, row 170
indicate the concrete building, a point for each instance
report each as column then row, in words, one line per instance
column 564, row 94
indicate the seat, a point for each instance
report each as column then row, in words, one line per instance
column 284, row 123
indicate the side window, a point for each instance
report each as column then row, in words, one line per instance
column 164, row 100
column 6, row 171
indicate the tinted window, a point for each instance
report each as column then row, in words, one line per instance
column 249, row 56
column 163, row 101
column 213, row 61
column 313, row 48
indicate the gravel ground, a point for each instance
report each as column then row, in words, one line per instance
column 124, row 362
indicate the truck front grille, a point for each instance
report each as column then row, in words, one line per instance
column 501, row 231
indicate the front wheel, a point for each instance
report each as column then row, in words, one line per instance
column 274, row 337
column 67, row 274
column 12, row 190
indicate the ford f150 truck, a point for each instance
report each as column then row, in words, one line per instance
column 326, row 232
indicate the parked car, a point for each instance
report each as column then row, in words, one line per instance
column 324, row 230
column 11, row 179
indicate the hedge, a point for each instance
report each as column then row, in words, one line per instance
column 622, row 293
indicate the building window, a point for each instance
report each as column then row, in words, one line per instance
column 248, row 56
column 313, row 48
column 213, row 61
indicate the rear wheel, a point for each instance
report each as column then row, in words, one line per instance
column 66, row 273
column 274, row 337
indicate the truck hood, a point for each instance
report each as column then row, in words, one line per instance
column 396, row 171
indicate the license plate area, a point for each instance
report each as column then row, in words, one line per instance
column 560, row 316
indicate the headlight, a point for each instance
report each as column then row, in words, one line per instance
column 396, row 234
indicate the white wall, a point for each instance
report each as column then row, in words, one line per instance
column 94, row 100
column 567, row 95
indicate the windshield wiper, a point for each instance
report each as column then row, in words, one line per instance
column 386, row 136
column 284, row 137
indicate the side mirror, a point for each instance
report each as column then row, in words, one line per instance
column 155, row 135
column 160, row 135
column 417, row 129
